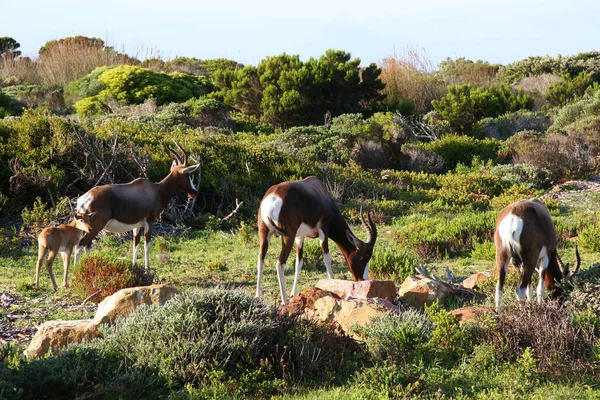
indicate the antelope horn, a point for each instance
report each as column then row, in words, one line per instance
column 185, row 154
column 578, row 258
column 174, row 154
column 370, row 228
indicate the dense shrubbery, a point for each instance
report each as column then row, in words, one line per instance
column 133, row 85
column 393, row 263
column 507, row 125
column 465, row 105
column 457, row 149
column 538, row 65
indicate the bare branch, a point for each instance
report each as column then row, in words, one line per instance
column 238, row 205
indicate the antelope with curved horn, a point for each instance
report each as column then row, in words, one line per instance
column 135, row 205
column 525, row 232
column 60, row 239
column 295, row 210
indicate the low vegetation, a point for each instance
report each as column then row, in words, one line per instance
column 433, row 151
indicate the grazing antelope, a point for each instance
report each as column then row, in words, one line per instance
column 60, row 239
column 525, row 232
column 298, row 209
column 135, row 205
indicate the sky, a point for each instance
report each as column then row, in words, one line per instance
column 500, row 31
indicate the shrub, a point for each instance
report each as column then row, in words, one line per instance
column 217, row 337
column 580, row 109
column 397, row 338
column 81, row 371
column 570, row 155
column 568, row 89
column 464, row 105
column 530, row 176
column 590, row 236
column 485, row 251
column 393, row 263
column 421, row 159
column 505, row 126
column 7, row 105
column 107, row 275
column 133, row 85
column 461, row 70
column 547, row 330
column 455, row 149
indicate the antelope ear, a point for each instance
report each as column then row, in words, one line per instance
column 353, row 239
column 190, row 169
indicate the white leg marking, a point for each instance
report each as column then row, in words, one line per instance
column 281, row 278
column 136, row 231
column 543, row 266
column 147, row 255
column 299, row 263
column 326, row 256
column 259, row 267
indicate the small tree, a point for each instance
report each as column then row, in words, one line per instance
column 8, row 48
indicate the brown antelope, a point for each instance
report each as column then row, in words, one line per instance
column 298, row 209
column 525, row 232
column 60, row 239
column 135, row 205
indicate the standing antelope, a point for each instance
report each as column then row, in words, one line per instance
column 525, row 232
column 299, row 209
column 135, row 205
column 60, row 239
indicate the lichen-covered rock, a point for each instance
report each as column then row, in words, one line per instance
column 362, row 289
column 53, row 335
column 419, row 290
column 120, row 304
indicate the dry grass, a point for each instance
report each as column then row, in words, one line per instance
column 410, row 76
column 63, row 61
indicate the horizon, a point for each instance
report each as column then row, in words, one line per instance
column 247, row 33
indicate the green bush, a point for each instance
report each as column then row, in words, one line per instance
column 397, row 337
column 107, row 275
column 7, row 105
column 220, row 338
column 506, row 125
column 133, row 85
column 570, row 113
column 568, row 89
column 81, row 371
column 539, row 65
column 455, row 149
column 394, row 263
column 464, row 105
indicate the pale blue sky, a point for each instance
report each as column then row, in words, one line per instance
column 500, row 31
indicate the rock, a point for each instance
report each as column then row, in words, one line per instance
column 419, row 290
column 53, row 335
column 362, row 289
column 473, row 281
column 344, row 313
column 325, row 307
column 304, row 300
column 120, row 304
column 473, row 313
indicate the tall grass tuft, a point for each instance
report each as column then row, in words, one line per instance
column 410, row 76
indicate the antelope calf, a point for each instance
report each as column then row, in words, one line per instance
column 60, row 239
column 525, row 232
column 298, row 209
column 135, row 205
